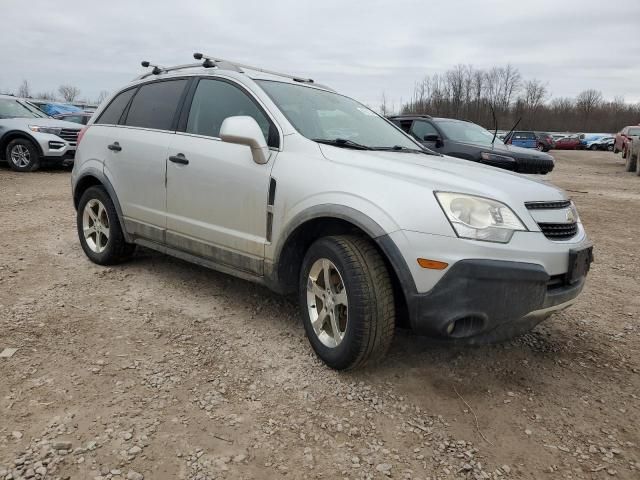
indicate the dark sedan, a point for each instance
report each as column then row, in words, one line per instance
column 458, row 138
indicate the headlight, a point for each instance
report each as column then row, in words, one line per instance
column 492, row 157
column 479, row 218
column 51, row 130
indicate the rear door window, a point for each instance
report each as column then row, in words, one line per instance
column 111, row 115
column 155, row 105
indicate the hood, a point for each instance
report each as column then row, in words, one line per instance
column 41, row 122
column 444, row 173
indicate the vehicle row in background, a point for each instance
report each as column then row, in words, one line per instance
column 64, row 111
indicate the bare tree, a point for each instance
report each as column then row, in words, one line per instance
column 534, row 95
column 101, row 96
column 469, row 93
column 384, row 109
column 69, row 92
column 24, row 90
column 51, row 96
column 587, row 102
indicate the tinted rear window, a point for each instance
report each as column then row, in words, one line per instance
column 113, row 112
column 155, row 105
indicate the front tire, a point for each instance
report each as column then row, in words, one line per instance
column 22, row 155
column 99, row 229
column 347, row 302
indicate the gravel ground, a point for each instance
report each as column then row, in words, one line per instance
column 159, row 369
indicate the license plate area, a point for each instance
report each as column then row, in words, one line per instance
column 579, row 264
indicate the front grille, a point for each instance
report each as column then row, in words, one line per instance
column 559, row 231
column 69, row 134
column 548, row 205
column 534, row 165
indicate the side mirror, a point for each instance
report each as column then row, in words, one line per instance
column 433, row 138
column 244, row 130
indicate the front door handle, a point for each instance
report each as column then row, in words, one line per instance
column 179, row 158
column 115, row 146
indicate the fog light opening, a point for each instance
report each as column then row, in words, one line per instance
column 465, row 327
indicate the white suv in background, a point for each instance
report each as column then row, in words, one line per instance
column 281, row 181
column 28, row 137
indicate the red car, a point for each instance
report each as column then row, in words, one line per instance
column 624, row 137
column 568, row 143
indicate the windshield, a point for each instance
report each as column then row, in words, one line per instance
column 10, row 108
column 321, row 115
column 466, row 132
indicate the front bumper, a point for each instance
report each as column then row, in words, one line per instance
column 486, row 285
column 477, row 296
column 55, row 148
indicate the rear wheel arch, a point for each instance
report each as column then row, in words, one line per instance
column 93, row 177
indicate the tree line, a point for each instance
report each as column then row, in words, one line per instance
column 468, row 93
column 65, row 93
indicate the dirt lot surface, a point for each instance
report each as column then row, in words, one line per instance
column 164, row 370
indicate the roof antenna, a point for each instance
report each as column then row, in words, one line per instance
column 156, row 68
column 495, row 123
column 508, row 135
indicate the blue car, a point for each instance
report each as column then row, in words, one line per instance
column 523, row 139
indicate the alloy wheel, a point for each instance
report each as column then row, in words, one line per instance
column 95, row 225
column 20, row 156
column 327, row 302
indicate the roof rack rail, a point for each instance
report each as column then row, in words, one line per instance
column 227, row 64
column 405, row 115
column 210, row 62
column 157, row 69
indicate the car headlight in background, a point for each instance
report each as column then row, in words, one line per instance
column 479, row 218
column 493, row 157
column 51, row 130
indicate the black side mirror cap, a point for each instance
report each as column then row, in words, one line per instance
column 431, row 138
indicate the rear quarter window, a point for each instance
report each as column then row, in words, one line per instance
column 155, row 105
column 113, row 112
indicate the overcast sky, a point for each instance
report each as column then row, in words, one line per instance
column 359, row 47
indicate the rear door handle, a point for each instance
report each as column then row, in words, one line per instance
column 115, row 146
column 179, row 158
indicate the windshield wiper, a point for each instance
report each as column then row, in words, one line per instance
column 400, row 148
column 341, row 142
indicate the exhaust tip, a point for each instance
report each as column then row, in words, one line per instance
column 465, row 327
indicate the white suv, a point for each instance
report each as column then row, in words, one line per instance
column 280, row 181
column 29, row 138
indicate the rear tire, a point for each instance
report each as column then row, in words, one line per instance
column 360, row 295
column 22, row 155
column 631, row 161
column 99, row 229
column 593, row 147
